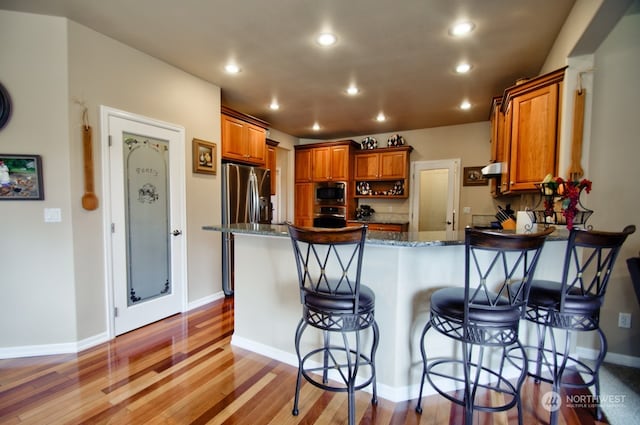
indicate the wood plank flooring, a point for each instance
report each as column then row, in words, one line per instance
column 183, row 370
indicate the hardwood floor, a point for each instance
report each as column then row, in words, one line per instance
column 183, row 370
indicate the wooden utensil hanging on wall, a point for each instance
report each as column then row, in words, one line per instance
column 575, row 169
column 89, row 199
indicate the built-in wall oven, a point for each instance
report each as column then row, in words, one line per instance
column 330, row 204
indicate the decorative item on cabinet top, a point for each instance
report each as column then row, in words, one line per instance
column 369, row 143
column 395, row 140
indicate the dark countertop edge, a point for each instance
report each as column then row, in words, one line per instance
column 399, row 239
column 379, row 221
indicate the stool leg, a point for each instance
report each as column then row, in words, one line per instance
column 301, row 326
column 596, row 374
column 325, row 369
column 424, row 365
column 541, row 331
column 374, row 348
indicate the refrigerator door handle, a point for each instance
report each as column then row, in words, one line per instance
column 253, row 198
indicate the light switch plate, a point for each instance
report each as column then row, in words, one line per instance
column 52, row 215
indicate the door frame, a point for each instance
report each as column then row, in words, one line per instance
column 453, row 164
column 106, row 113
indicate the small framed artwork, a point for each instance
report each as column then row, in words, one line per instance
column 204, row 157
column 473, row 177
column 21, row 178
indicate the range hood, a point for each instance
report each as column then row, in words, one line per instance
column 493, row 169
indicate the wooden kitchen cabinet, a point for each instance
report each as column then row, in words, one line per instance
column 531, row 132
column 331, row 163
column 497, row 141
column 303, row 165
column 381, row 169
column 390, row 164
column 303, row 204
column 271, row 162
column 243, row 138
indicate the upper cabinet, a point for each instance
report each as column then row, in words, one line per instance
column 525, row 132
column 303, row 165
column 271, row 162
column 382, row 172
column 243, row 138
column 331, row 161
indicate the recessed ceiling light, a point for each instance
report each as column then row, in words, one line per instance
column 316, row 126
column 326, row 39
column 274, row 105
column 463, row 68
column 232, row 68
column 465, row 105
column 381, row 117
column 461, row 28
column 353, row 90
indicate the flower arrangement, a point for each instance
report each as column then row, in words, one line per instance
column 569, row 193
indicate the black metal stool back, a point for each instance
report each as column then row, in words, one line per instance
column 484, row 314
column 329, row 264
column 573, row 304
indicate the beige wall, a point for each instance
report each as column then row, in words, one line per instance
column 38, row 301
column 53, row 274
column 613, row 168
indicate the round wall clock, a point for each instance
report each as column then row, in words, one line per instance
column 5, row 106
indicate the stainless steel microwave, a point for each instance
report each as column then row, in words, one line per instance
column 330, row 193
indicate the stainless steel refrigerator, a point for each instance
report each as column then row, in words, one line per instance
column 246, row 198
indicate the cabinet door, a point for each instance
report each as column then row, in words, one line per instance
column 340, row 163
column 255, row 139
column 303, row 165
column 321, row 160
column 232, row 135
column 271, row 165
column 303, row 204
column 393, row 165
column 366, row 166
column 533, row 137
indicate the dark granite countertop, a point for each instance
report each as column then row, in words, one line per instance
column 400, row 239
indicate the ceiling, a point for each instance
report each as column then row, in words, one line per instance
column 399, row 53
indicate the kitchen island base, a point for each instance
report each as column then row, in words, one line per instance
column 267, row 302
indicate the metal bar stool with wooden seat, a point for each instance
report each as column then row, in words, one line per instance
column 329, row 263
column 484, row 317
column 572, row 304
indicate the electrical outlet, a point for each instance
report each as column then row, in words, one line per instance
column 624, row 320
column 466, row 210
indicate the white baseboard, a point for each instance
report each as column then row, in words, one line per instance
column 205, row 300
column 615, row 358
column 76, row 347
column 394, row 394
column 52, row 349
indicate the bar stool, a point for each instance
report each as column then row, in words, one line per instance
column 572, row 304
column 329, row 263
column 483, row 316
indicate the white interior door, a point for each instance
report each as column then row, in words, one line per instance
column 146, row 219
column 435, row 194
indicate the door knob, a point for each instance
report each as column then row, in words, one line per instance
column 176, row 232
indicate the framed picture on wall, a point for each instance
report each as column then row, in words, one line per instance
column 473, row 177
column 21, row 178
column 204, row 157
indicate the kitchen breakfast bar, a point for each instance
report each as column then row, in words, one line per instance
column 403, row 269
